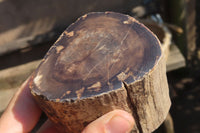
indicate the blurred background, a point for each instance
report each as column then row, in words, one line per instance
column 28, row 28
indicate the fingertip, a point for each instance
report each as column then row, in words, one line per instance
column 117, row 121
column 22, row 112
column 48, row 127
column 125, row 115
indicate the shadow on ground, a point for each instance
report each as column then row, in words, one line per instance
column 185, row 93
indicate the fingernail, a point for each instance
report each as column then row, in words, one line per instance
column 120, row 124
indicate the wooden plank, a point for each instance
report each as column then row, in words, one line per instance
column 175, row 59
column 183, row 13
column 5, row 97
column 190, row 27
column 13, row 77
column 30, row 18
column 26, row 42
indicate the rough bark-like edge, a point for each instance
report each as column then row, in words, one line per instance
column 79, row 113
column 153, row 99
column 150, row 98
column 147, row 99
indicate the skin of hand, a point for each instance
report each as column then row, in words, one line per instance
column 23, row 113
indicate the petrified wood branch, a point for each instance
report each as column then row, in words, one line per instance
column 102, row 62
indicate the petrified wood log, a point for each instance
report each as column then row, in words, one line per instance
column 102, row 62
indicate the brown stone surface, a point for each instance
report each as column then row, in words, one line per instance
column 102, row 62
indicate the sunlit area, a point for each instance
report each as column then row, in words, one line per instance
column 86, row 58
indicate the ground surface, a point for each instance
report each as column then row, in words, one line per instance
column 185, row 93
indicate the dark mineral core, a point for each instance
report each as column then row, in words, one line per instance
column 94, row 56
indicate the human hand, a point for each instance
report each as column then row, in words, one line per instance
column 23, row 113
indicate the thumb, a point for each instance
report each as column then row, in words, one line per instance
column 117, row 121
